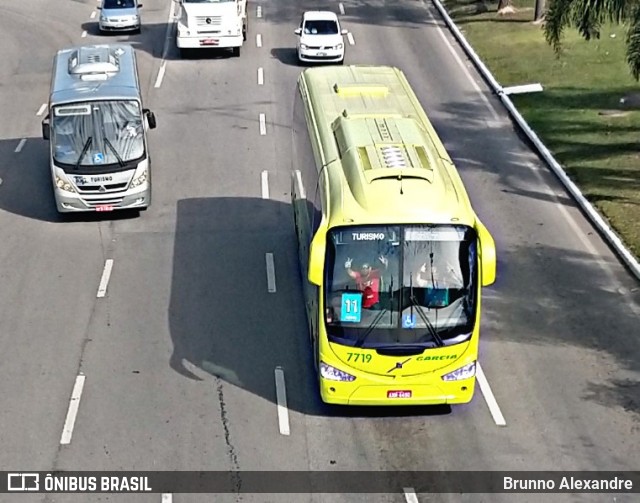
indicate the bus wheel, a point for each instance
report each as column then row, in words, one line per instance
column 236, row 52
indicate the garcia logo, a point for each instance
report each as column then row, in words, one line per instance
column 367, row 236
column 433, row 358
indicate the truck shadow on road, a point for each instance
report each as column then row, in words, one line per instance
column 222, row 319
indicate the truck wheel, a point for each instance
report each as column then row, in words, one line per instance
column 245, row 29
column 236, row 52
column 184, row 53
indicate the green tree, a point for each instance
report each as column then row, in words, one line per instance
column 587, row 16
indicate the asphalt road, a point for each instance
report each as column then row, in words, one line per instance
column 178, row 357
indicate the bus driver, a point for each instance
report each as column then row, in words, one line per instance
column 367, row 280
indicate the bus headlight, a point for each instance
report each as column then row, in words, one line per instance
column 183, row 31
column 63, row 184
column 465, row 372
column 139, row 180
column 334, row 374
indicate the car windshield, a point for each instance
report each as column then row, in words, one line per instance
column 99, row 133
column 400, row 285
column 119, row 4
column 320, row 27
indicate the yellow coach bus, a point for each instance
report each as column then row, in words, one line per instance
column 393, row 257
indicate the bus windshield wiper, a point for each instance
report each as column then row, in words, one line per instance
column 432, row 331
column 370, row 328
column 86, row 146
column 108, row 144
column 376, row 320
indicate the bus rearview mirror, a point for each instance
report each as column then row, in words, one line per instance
column 487, row 254
column 316, row 257
column 151, row 118
column 46, row 128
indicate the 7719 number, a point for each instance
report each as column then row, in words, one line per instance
column 359, row 357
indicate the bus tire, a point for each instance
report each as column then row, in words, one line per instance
column 236, row 52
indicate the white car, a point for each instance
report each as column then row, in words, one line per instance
column 320, row 37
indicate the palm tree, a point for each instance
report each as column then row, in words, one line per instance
column 587, row 17
column 539, row 10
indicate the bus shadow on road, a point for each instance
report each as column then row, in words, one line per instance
column 225, row 322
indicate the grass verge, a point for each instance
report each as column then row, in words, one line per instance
column 579, row 115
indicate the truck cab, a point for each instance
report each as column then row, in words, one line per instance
column 211, row 24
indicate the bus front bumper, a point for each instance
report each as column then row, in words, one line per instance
column 73, row 203
column 208, row 42
column 398, row 393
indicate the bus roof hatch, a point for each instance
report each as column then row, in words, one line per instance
column 383, row 148
column 94, row 62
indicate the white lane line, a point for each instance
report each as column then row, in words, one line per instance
column 341, row 7
column 42, row 108
column 281, row 398
column 488, row 396
column 301, row 192
column 260, row 76
column 167, row 498
column 20, row 145
column 73, row 410
column 350, row 38
column 410, row 495
column 163, row 68
column 475, row 85
column 271, row 273
column 259, row 11
column 104, row 281
column 165, row 47
column 265, row 185
column 263, row 125
column 259, row 40
column 84, row 34
column 582, row 236
column 93, row 15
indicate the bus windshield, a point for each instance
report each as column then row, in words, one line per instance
column 97, row 134
column 409, row 285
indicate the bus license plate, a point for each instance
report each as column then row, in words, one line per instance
column 399, row 394
column 104, row 207
column 209, row 41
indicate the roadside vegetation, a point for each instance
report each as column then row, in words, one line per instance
column 588, row 114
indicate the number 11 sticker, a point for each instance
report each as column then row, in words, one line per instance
column 351, row 309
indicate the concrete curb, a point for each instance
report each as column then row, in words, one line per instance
column 603, row 227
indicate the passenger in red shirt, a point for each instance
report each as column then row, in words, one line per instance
column 367, row 281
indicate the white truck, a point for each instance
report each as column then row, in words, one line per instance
column 213, row 24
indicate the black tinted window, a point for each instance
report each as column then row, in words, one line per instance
column 321, row 27
column 119, row 4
